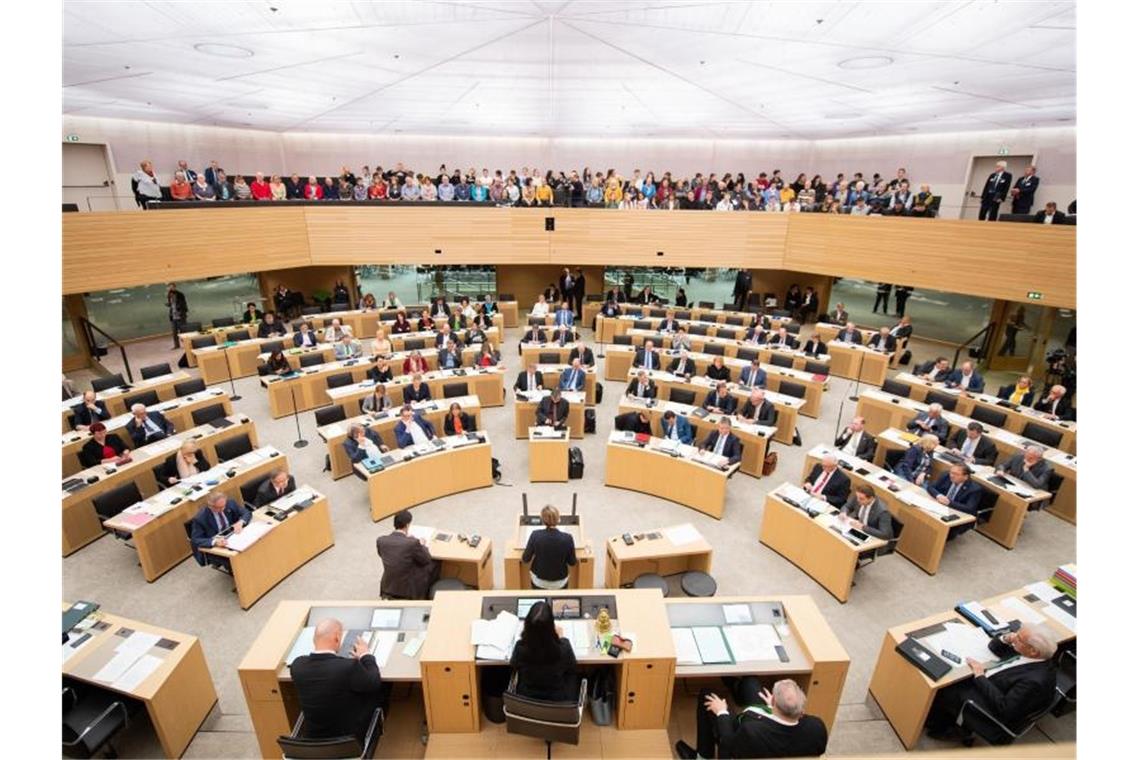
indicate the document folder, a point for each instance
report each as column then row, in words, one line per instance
column 922, row 658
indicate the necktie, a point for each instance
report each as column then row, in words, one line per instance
column 573, row 379
column 720, row 446
column 968, row 447
column 863, row 513
column 223, row 523
column 530, row 382
column 953, row 492
column 821, row 482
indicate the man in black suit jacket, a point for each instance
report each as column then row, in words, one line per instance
column 954, row 489
column 147, row 427
column 1024, row 190
column 579, row 290
column 720, row 400
column 636, row 422
column 337, row 694
column 930, row 421
column 529, row 379
column 937, row 370
column 270, row 326
column 882, row 341
column 866, row 513
column 220, row 514
column 1055, row 403
column 278, row 484
column 850, row 334
column 583, row 352
column 722, row 441
column 758, row 409
column 1011, row 693
column 90, row 411
column 641, row 386
column 996, row 187
column 553, row 411
column 417, row 390
column 647, row 357
column 827, row 481
column 534, row 334
column 741, row 289
column 669, row 324
column 683, row 366
column 856, row 441
column 781, row 338
column 1050, row 214
column 409, row 569
column 975, row 447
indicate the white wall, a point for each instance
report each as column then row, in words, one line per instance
column 940, row 160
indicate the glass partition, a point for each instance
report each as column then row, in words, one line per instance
column 709, row 284
column 417, row 284
column 949, row 317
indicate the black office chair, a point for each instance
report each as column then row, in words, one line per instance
column 986, row 505
column 988, row 416
column 111, row 381
column 447, row 584
column 698, row 584
column 892, row 458
column 160, row 471
column 780, row 360
column 643, row 324
column 683, row 396
column 1043, row 435
column 795, row 390
column 793, row 328
column 455, row 390
column 308, row 311
column 338, row 380
column 312, row 360
column 949, row 403
column 535, row 320
column 330, row 414
column 414, row 344
column 249, row 492
column 146, row 398
column 232, row 448
column 713, row 349
column 273, row 346
column 896, row 388
column 548, row 357
column 726, row 333
column 816, row 368
column 192, row 327
column 747, row 354
column 1066, row 682
column 203, row 341
column 1056, row 480
column 623, row 340
column 236, row 335
column 657, row 313
column 979, row 722
column 207, row 414
column 222, row 322
column 197, row 385
column 154, row 370
column 506, row 296
column 550, row 721
column 683, row 314
column 779, row 313
column 736, row 321
column 112, row 502
column 706, row 305
column 296, row 747
column 92, row 718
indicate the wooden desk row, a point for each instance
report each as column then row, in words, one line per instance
column 526, row 405
column 720, row 327
column 828, row 333
column 692, row 477
column 395, row 359
column 81, row 523
column 552, row 374
column 724, row 317
column 116, row 398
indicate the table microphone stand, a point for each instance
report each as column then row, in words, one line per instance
column 858, row 377
column 300, row 443
column 229, row 373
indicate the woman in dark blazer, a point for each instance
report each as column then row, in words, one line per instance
column 252, row 313
column 458, row 421
column 278, row 364
column 401, row 325
column 380, row 372
column 717, row 370
column 815, row 346
column 543, row 660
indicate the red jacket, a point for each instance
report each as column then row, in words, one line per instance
column 313, row 192
column 260, row 190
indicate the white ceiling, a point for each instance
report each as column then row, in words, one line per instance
column 677, row 68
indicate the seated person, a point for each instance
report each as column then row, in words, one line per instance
column 450, row 357
column 415, row 364
column 445, row 336
column 335, row 331
column 362, row 442
column 956, row 490
column 562, row 335
column 758, row 410
column 1049, row 214
column 529, row 379
column 550, row 553
column 90, row 411
column 849, row 334
column 937, row 370
column 680, row 340
column 425, row 323
column 401, row 325
column 377, row 401
column 815, row 346
column 304, row 337
column 457, row 421
column 391, row 301
column 251, row 314
column 417, row 390
column 864, row 511
column 839, row 316
column 827, row 481
column 147, row 427
column 683, row 366
column 482, row 321
column 583, row 353
column 543, row 660
column 488, row 307
column 974, row 447
column 724, row 443
column 380, row 371
column 930, row 421
column 409, row 570
column 412, row 429
column 381, row 346
column 966, row 378
column 717, row 370
column 564, row 317
column 488, row 356
column 1010, row 694
column 903, row 330
column 674, row 427
column 102, row 448
column 610, row 308
column 347, row 347
column 720, row 400
column 534, row 334
column 882, row 341
column 278, row 484
column 573, row 378
column 781, row 339
column 647, row 357
column 270, row 326
column 187, row 462
column 278, row 364
column 918, row 459
column 634, row 422
column 475, row 334
column 1020, row 393
column 338, row 695
column 641, row 386
column 466, row 310
column 856, row 441
column 780, row 730
column 669, row 324
column 208, row 528
column 439, row 308
column 1029, row 466
column 1055, row 404
column 753, row 376
column 553, row 410
column 541, row 308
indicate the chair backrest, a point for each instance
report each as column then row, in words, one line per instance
column 185, row 388
column 413, row 344
column 237, row 335
column 455, row 390
column 1042, row 434
column 273, row 346
column 724, row 332
column 312, row 360
column 111, row 503
column 192, row 327
column 988, row 416
column 548, row 357
column 338, row 748
column 222, row 322
column 154, row 370
column 706, row 304
column 781, row 360
column 207, row 413
column 792, row 389
column 684, row 314
column 249, row 490
column 203, row 341
column 713, row 349
column 329, row 415
column 232, row 448
column 310, row 310
column 816, row 368
column 948, row 402
column 338, row 380
column 793, row 328
column 896, row 388
column 340, row 306
column 506, row 296
column 535, row 320
column 893, row 457
column 747, row 354
column 987, row 503
column 643, row 324
column 623, row 340
column 146, row 398
column 733, row 320
column 682, row 396
column 111, row 381
column 159, row 471
column 658, row 313
column 779, row 313
column 542, row 719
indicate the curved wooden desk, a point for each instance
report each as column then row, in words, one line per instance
column 681, row 479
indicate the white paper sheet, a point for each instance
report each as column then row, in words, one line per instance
column 686, row 646
column 577, row 632
column 1061, row 616
column 413, row 646
column 117, row 666
column 1021, row 610
column 680, row 535
column 333, row 430
column 422, row 532
column 712, row 645
column 381, row 646
column 69, row 651
column 1043, row 591
column 249, row 535
column 138, row 642
column 963, row 640
column 494, row 639
column 137, row 673
column 737, row 613
column 303, row 645
column 385, row 618
column 752, row 642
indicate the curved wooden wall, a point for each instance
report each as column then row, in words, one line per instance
column 994, row 260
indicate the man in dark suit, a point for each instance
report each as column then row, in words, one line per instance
column 147, row 427
column 270, row 326
column 954, row 489
column 90, row 411
column 815, row 345
column 566, row 285
column 996, row 187
column 810, row 305
column 647, row 357
column 278, row 484
column 966, row 378
column 1030, row 466
column 338, row 694
column 360, row 440
column 562, row 335
column 304, row 337
column 220, row 514
column 720, row 400
column 856, row 441
column 675, row 427
column 534, row 334
column 974, row 447
column 866, row 513
column 1024, row 190
column 1055, row 404
column 1011, row 692
column 409, row 569
column 1050, row 214
column 849, row 334
column 1020, row 393
column 450, row 356
column 683, row 366
column 636, row 422
column 753, row 376
column 781, row 339
column 412, row 429
column 758, row 410
column 641, row 386
column 882, row 295
column 439, row 308
column 741, row 289
column 882, row 341
column 669, row 324
column 553, row 411
column 930, row 421
column 573, row 378
column 937, row 370
column 417, row 390
column 529, row 379
column 827, row 481
column 724, row 443
column 839, row 316
column 579, row 290
column 583, row 353
column 444, row 336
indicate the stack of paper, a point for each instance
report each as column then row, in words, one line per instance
column 686, row 646
column 126, row 655
column 1065, row 578
column 1021, row 610
column 249, row 535
column 495, row 639
column 735, row 614
column 752, row 642
column 385, row 618
column 712, row 645
column 381, row 646
column 334, row 430
column 577, row 632
column 681, row 535
column 1062, row 617
column 963, row 640
column 422, row 532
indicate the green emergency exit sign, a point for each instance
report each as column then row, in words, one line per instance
column 72, row 138
column 1033, row 295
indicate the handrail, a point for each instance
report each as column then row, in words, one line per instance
column 988, row 331
column 90, row 328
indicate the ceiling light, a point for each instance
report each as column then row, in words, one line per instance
column 866, row 62
column 223, row 51
column 843, row 115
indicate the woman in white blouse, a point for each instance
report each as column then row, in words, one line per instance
column 541, row 307
column 380, row 344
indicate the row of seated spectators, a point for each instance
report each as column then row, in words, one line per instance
column 529, row 187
